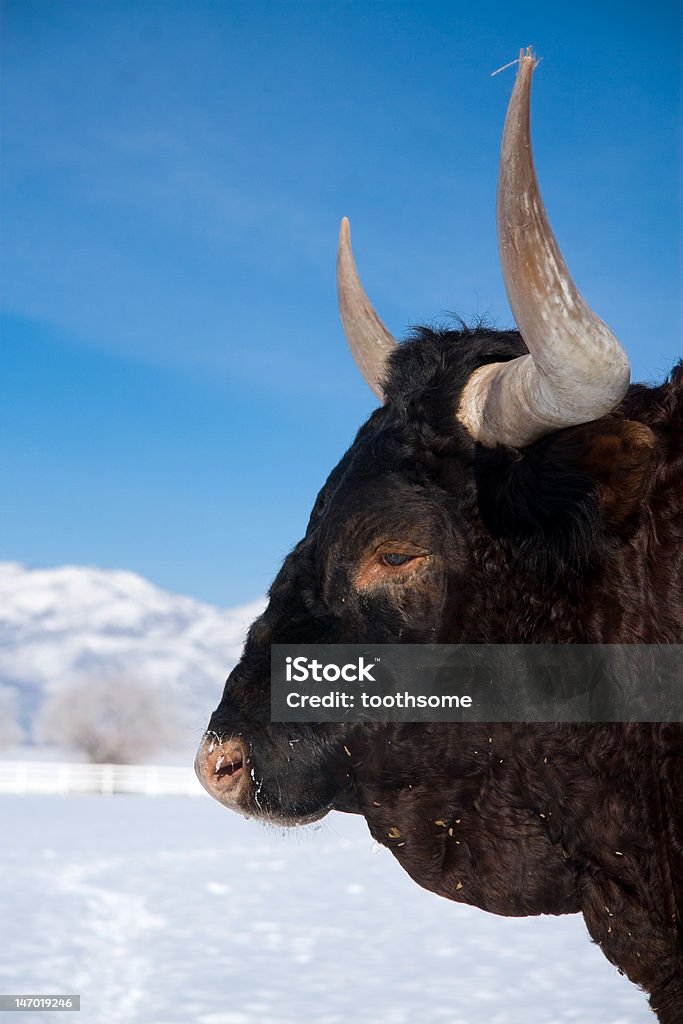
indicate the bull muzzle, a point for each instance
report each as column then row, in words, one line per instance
column 221, row 767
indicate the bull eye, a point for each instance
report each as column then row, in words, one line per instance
column 394, row 559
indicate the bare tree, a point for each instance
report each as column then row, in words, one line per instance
column 115, row 721
column 11, row 733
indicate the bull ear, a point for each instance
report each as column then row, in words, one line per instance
column 617, row 459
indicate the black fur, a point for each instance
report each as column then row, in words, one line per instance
column 576, row 539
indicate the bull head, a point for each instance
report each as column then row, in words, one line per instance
column 423, row 535
column 492, row 498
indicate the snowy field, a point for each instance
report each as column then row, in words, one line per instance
column 171, row 910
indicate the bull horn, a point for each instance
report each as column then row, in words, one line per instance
column 576, row 370
column 370, row 342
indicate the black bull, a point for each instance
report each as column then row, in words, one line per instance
column 422, row 534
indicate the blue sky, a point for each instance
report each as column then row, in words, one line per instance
column 175, row 383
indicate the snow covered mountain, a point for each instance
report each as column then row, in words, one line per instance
column 59, row 626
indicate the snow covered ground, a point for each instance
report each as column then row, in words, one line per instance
column 174, row 911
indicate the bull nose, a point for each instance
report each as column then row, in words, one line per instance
column 220, row 766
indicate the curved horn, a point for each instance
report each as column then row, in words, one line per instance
column 370, row 342
column 576, row 371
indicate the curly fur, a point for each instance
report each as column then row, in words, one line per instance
column 576, row 539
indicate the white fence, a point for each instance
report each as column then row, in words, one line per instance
column 59, row 777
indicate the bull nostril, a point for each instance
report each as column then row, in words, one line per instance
column 228, row 766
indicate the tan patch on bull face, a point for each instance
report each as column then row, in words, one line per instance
column 376, row 568
column 618, row 459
